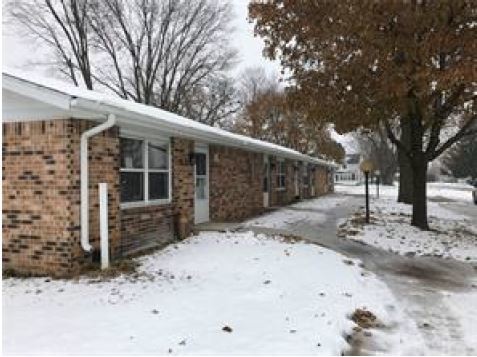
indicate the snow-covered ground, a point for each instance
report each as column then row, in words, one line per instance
column 216, row 293
column 452, row 235
column 301, row 212
column 462, row 306
column 435, row 190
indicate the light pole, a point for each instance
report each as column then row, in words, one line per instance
column 366, row 166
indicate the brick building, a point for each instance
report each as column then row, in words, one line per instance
column 164, row 173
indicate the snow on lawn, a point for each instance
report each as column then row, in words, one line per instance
column 452, row 235
column 435, row 190
column 312, row 210
column 458, row 304
column 216, row 293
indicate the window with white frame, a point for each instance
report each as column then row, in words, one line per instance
column 145, row 173
column 281, row 175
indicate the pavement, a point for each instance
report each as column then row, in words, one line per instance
column 418, row 283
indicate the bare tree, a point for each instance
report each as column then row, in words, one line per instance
column 63, row 26
column 214, row 103
column 156, row 52
column 254, row 81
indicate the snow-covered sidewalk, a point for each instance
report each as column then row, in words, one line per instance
column 313, row 210
column 215, row 293
column 462, row 306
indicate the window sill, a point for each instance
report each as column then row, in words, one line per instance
column 281, row 189
column 127, row 205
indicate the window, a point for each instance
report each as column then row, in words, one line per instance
column 144, row 170
column 132, row 170
column 158, row 159
column 281, row 175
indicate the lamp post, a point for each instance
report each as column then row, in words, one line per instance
column 366, row 166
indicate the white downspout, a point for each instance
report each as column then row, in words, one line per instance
column 85, row 178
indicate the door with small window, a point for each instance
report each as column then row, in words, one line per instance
column 201, row 202
column 266, row 182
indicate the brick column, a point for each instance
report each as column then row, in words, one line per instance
column 183, row 186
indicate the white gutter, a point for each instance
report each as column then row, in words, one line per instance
column 75, row 98
column 148, row 122
column 85, row 178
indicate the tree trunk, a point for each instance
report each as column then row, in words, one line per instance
column 419, row 204
column 405, row 193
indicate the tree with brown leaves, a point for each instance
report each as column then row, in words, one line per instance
column 360, row 63
column 269, row 114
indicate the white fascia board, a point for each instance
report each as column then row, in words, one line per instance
column 132, row 119
column 31, row 90
column 83, row 105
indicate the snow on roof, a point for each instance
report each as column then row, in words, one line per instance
column 160, row 117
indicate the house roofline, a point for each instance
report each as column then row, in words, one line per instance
column 67, row 97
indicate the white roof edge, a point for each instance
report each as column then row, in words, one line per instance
column 58, row 93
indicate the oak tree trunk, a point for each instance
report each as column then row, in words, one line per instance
column 419, row 204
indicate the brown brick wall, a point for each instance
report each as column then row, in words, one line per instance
column 235, row 183
column 143, row 227
column 41, row 180
column 39, row 220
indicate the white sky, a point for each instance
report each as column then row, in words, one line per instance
column 20, row 53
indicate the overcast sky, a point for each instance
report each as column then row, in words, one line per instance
column 19, row 53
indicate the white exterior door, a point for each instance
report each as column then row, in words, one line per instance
column 201, row 201
column 266, row 182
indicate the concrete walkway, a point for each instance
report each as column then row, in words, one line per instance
column 417, row 282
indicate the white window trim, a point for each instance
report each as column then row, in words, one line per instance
column 279, row 174
column 147, row 202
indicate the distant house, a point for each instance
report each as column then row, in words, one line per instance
column 350, row 171
column 165, row 173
